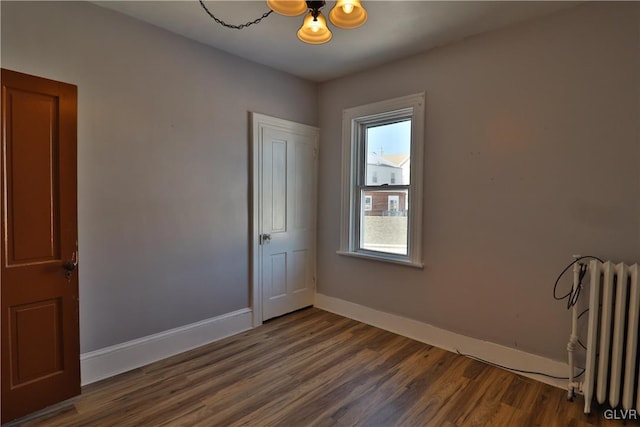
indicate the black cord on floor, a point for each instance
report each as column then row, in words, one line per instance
column 522, row 371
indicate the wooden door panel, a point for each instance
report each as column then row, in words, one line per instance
column 35, row 340
column 32, row 177
column 39, row 310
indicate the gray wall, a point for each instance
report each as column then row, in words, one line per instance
column 524, row 126
column 532, row 154
column 162, row 158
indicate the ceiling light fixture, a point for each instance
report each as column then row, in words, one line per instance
column 345, row 14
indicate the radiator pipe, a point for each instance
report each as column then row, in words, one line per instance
column 573, row 339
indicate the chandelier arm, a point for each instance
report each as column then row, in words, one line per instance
column 235, row 27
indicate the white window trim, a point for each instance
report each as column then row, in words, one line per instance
column 351, row 120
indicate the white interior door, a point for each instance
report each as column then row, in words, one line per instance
column 285, row 206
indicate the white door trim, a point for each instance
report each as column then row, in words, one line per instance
column 258, row 123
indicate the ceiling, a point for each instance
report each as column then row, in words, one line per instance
column 395, row 29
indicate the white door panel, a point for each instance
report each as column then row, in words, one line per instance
column 286, row 216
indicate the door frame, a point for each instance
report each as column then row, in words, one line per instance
column 258, row 123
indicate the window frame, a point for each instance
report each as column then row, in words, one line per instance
column 355, row 120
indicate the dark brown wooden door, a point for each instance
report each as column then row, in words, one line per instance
column 40, row 340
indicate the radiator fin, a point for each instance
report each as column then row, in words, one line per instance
column 631, row 365
column 612, row 338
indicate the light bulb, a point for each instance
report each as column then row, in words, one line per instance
column 288, row 7
column 314, row 30
column 348, row 14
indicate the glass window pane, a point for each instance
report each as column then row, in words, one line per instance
column 388, row 149
column 383, row 225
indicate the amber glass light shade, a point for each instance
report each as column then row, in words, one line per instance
column 314, row 31
column 348, row 14
column 288, row 7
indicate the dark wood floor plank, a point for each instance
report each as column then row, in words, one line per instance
column 317, row 369
column 390, row 381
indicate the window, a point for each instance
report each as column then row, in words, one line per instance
column 393, row 203
column 367, row 203
column 382, row 180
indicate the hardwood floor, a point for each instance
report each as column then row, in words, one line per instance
column 314, row 368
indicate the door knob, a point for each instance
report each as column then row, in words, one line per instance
column 265, row 238
column 70, row 266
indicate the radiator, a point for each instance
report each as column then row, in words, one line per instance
column 612, row 371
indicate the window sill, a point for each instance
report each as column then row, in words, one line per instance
column 406, row 263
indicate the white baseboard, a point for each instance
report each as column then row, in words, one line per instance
column 447, row 340
column 107, row 362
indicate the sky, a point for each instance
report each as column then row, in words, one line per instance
column 394, row 138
